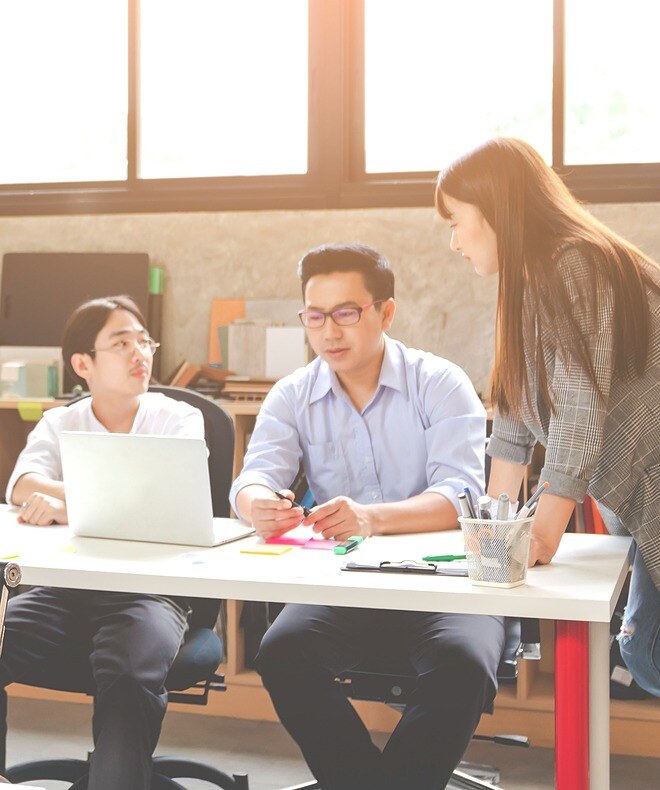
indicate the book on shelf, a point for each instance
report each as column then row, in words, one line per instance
column 598, row 525
column 215, row 373
column 587, row 515
column 588, row 518
column 185, row 374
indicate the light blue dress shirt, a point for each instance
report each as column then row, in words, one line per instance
column 423, row 430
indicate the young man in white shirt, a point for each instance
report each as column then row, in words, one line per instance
column 133, row 639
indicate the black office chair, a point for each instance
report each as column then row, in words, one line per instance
column 196, row 661
column 393, row 683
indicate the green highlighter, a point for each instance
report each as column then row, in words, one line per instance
column 348, row 545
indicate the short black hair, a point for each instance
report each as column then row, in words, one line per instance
column 328, row 258
column 86, row 321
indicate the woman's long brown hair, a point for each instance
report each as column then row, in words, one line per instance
column 534, row 216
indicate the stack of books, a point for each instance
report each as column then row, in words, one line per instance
column 243, row 388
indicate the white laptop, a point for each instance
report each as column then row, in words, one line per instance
column 137, row 487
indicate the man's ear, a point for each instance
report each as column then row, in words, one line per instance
column 387, row 311
column 81, row 364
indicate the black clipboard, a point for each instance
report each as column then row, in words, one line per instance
column 406, row 566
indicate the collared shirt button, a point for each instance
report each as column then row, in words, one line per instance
column 374, row 495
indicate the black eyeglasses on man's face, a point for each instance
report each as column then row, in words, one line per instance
column 125, row 347
column 342, row 316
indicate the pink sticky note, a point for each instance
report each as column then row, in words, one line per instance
column 287, row 540
column 315, row 543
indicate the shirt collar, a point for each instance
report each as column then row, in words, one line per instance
column 393, row 370
column 392, row 374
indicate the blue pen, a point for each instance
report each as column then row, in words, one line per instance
column 470, row 502
column 306, row 511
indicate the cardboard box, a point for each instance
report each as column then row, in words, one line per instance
column 285, row 350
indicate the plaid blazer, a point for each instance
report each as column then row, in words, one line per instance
column 609, row 446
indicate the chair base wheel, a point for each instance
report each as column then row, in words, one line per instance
column 56, row 770
column 183, row 768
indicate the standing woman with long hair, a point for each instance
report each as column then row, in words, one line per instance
column 577, row 362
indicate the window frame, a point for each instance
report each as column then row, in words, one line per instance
column 336, row 176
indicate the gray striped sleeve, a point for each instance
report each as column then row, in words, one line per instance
column 510, row 440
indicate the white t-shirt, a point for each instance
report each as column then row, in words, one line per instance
column 157, row 415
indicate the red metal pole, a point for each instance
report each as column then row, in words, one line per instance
column 571, row 705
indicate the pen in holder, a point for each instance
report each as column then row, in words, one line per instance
column 497, row 550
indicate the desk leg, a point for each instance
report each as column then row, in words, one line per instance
column 599, row 705
column 572, row 706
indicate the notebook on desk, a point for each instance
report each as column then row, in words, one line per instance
column 137, row 487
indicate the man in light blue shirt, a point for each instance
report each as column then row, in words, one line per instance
column 387, row 437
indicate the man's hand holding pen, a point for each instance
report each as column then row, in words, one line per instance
column 341, row 518
column 275, row 514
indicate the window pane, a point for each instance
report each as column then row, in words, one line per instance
column 223, row 88
column 612, row 72
column 63, row 91
column 441, row 77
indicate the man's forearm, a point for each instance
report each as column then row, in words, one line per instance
column 31, row 483
column 426, row 512
column 246, row 497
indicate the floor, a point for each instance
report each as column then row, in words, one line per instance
column 47, row 729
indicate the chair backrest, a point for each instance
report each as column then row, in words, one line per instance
column 219, row 431
column 393, row 682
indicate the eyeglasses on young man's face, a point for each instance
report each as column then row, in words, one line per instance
column 342, row 316
column 126, row 346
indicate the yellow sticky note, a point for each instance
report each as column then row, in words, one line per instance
column 68, row 549
column 266, row 548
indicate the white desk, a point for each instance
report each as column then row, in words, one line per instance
column 579, row 590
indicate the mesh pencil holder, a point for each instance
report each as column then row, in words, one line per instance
column 497, row 551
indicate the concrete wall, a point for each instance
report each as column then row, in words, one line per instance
column 442, row 305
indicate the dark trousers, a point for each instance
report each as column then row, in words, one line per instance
column 133, row 641
column 455, row 657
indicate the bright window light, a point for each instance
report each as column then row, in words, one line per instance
column 612, row 73
column 442, row 77
column 63, row 90
column 223, row 88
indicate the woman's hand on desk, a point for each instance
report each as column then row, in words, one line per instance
column 272, row 517
column 341, row 518
column 540, row 553
column 41, row 510
column 552, row 517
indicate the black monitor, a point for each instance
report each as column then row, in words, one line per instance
column 41, row 289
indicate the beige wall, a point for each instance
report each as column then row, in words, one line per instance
column 442, row 305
